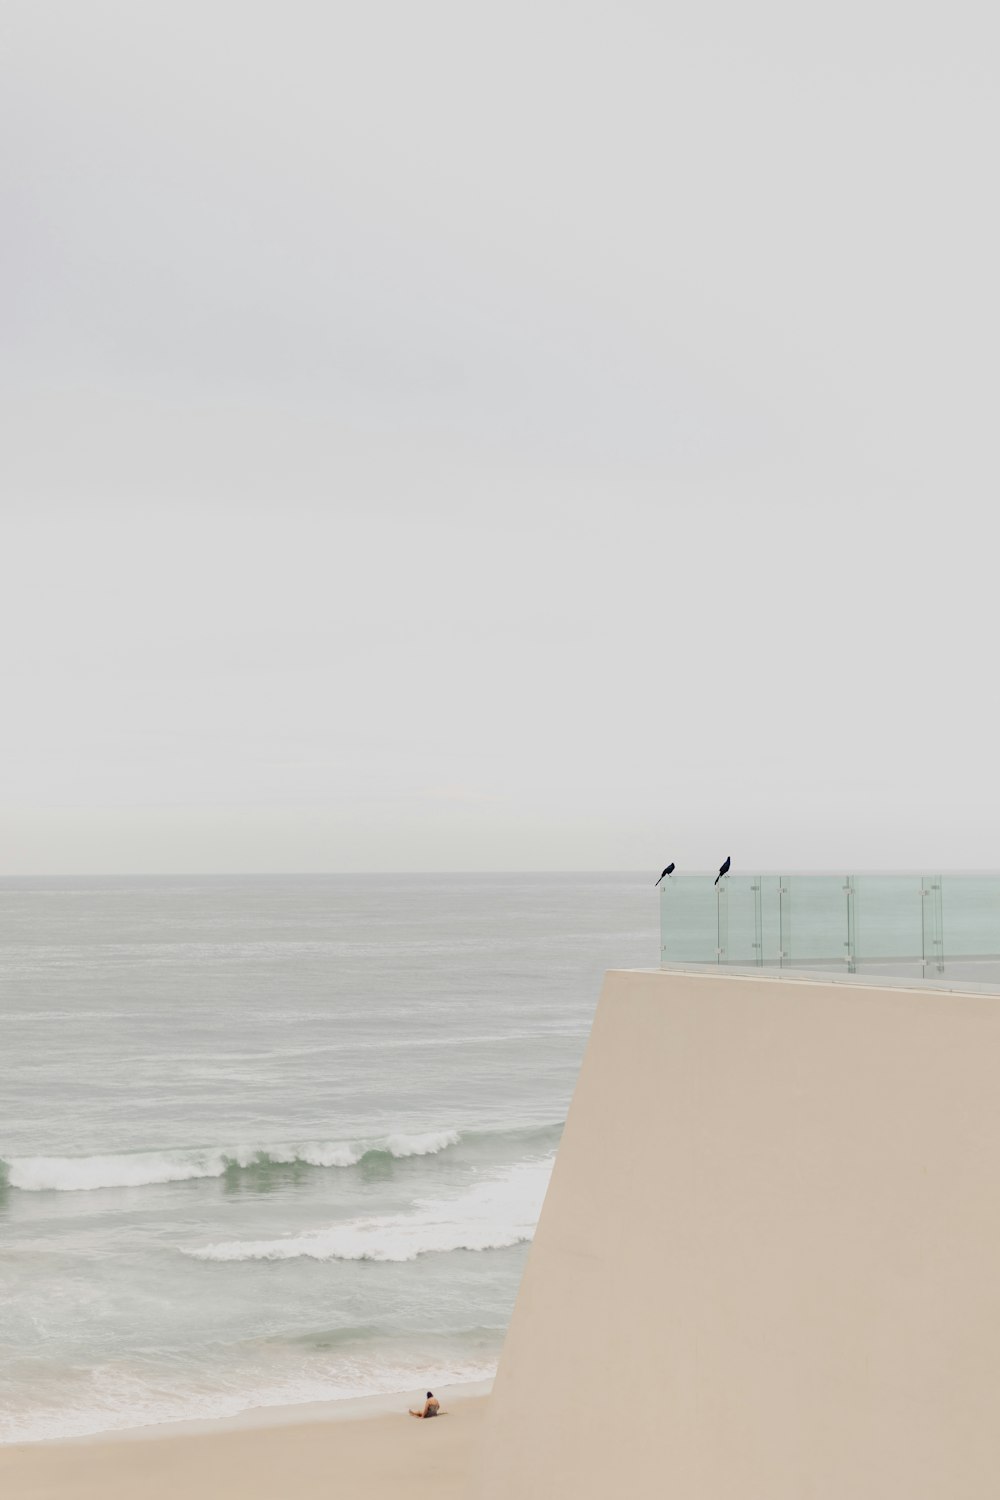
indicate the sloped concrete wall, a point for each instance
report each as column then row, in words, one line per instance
column 768, row 1265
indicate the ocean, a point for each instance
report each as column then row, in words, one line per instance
column 267, row 1140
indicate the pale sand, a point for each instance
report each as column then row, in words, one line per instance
column 385, row 1457
column 768, row 1253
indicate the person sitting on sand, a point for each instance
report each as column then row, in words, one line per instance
column 431, row 1407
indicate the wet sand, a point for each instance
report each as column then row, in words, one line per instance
column 381, row 1457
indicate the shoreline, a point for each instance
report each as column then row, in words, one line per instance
column 253, row 1418
column 366, row 1447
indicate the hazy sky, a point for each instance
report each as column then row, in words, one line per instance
column 523, row 436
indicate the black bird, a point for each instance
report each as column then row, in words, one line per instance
column 724, row 870
column 668, row 871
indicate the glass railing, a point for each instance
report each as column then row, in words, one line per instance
column 913, row 926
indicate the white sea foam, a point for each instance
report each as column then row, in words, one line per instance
column 496, row 1213
column 68, row 1174
column 75, row 1174
column 421, row 1145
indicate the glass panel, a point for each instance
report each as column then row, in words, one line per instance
column 888, row 918
column 770, row 918
column 689, row 920
column 738, row 938
column 814, row 920
column 971, row 916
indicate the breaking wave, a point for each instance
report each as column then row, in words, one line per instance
column 495, row 1214
column 76, row 1174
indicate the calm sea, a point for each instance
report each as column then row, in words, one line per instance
column 268, row 1140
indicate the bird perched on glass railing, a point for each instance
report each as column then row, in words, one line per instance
column 668, row 871
column 723, row 869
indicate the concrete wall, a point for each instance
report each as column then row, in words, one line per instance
column 768, row 1265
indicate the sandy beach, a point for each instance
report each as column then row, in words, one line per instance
column 366, row 1457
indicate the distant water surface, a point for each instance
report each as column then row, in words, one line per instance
column 267, row 1140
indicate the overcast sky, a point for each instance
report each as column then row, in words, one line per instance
column 522, row 436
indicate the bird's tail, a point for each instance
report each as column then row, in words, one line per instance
column 717, row 878
column 657, row 883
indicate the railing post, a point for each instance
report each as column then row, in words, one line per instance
column 784, row 920
column 932, row 921
column 722, row 898
column 852, row 931
column 663, row 925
